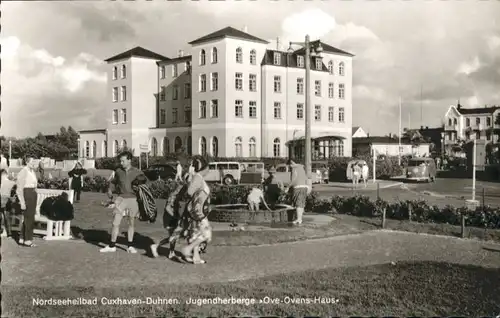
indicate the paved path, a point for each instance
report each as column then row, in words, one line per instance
column 24, row 266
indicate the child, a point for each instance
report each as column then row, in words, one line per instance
column 255, row 197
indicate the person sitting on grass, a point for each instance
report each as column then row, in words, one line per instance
column 254, row 198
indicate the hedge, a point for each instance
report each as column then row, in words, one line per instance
column 362, row 206
column 387, row 167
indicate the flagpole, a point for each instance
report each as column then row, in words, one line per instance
column 399, row 133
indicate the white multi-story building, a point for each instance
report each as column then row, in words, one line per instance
column 232, row 97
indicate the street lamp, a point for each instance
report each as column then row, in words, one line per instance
column 309, row 51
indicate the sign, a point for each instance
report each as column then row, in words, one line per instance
column 144, row 148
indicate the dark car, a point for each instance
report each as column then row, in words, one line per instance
column 164, row 171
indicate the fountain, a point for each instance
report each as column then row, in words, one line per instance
column 240, row 213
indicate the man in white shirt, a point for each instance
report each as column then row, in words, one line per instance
column 178, row 176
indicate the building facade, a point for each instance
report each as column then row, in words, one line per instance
column 462, row 125
column 232, row 97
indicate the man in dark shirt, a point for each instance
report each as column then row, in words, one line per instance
column 126, row 201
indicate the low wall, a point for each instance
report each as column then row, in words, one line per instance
column 239, row 213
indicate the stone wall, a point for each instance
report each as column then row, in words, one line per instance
column 240, row 214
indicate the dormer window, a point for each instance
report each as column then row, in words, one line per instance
column 277, row 58
column 319, row 64
column 300, row 61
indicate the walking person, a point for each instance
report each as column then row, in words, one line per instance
column 197, row 208
column 41, row 170
column 76, row 180
column 178, row 176
column 125, row 204
column 27, row 183
column 365, row 171
column 299, row 189
column 356, row 174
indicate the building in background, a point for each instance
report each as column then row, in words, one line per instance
column 462, row 125
column 358, row 132
column 389, row 146
column 232, row 97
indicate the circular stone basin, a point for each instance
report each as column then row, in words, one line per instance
column 239, row 213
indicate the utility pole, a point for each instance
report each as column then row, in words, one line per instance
column 399, row 133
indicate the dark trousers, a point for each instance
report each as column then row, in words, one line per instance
column 6, row 221
column 78, row 193
column 29, row 214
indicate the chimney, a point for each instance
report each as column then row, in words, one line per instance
column 421, row 127
column 181, row 53
column 277, row 43
column 245, row 29
column 427, row 127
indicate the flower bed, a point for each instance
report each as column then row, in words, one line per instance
column 484, row 217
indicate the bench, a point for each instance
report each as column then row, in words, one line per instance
column 54, row 230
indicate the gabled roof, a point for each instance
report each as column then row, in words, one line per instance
column 478, row 110
column 228, row 32
column 137, row 52
column 326, row 48
column 354, row 130
column 288, row 60
column 176, row 60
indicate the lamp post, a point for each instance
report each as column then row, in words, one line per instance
column 10, row 151
column 309, row 51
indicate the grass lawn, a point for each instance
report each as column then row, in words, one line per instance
column 93, row 222
column 402, row 289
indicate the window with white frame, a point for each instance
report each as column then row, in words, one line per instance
column 115, row 73
column 330, row 67
column 317, row 88
column 277, row 147
column 104, row 148
column 163, row 93
column 488, row 121
column 203, row 57
column 252, row 147
column 277, row 58
column 115, row 94
column 123, row 93
column 203, row 109
column 253, row 57
column 188, row 67
column 174, row 116
column 252, row 109
column 300, row 111
column 162, row 72
column 215, row 81
column 87, row 149
column 238, row 146
column 238, row 81
column 187, row 114
column 214, row 55
column 203, row 83
column 467, row 122
column 116, row 147
column 124, row 71
column 252, row 82
column 163, row 116
column 319, row 64
column 341, row 69
column 174, row 70
column 300, row 86
column 124, row 144
column 277, row 110
column 341, row 115
column 239, row 55
column 300, row 61
column 203, row 146
column 317, row 112
column 330, row 90
column 238, row 108
column 115, row 116
column 331, row 114
column 214, row 108
column 340, row 148
column 341, row 91
column 124, row 115
column 175, row 94
column 277, row 84
column 187, row 90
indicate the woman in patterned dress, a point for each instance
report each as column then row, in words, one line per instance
column 197, row 208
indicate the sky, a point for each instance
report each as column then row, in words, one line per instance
column 431, row 54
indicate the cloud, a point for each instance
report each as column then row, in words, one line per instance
column 43, row 88
column 470, row 67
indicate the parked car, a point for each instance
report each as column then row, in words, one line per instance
column 252, row 172
column 227, row 172
column 421, row 169
column 284, row 174
column 322, row 170
column 164, row 171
